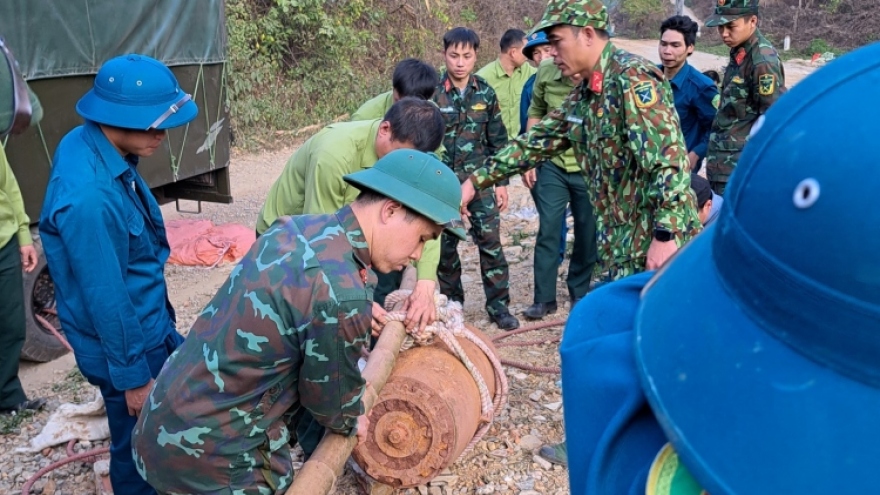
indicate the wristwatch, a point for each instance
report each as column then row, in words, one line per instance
column 663, row 235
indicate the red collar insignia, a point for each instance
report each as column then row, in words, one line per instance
column 596, row 81
column 740, row 56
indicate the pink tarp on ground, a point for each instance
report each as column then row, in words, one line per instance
column 201, row 243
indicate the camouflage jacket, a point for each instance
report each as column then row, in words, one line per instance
column 474, row 127
column 754, row 80
column 627, row 140
column 284, row 332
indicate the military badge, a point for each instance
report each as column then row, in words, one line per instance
column 646, row 94
column 766, row 84
column 478, row 107
column 596, row 81
column 600, row 113
column 737, row 80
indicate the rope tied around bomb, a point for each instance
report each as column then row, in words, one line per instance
column 449, row 324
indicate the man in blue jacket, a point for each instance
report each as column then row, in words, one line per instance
column 105, row 243
column 696, row 95
column 747, row 363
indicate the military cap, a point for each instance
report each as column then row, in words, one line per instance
column 727, row 11
column 418, row 181
column 534, row 40
column 574, row 13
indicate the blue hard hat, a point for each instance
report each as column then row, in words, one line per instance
column 534, row 40
column 137, row 92
column 759, row 344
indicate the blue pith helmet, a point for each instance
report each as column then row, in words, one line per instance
column 137, row 92
column 534, row 40
column 759, row 344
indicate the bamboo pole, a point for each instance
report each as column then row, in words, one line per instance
column 319, row 473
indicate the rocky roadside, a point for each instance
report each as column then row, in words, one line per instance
column 504, row 462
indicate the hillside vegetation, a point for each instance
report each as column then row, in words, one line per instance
column 301, row 63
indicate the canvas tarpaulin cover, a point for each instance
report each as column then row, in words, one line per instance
column 54, row 38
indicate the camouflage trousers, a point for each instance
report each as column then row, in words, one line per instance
column 485, row 231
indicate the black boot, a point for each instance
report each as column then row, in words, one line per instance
column 505, row 320
column 539, row 310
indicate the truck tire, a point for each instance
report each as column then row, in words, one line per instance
column 40, row 344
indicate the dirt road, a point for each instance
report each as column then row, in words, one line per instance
column 795, row 70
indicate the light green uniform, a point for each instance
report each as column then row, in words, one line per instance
column 14, row 221
column 374, row 108
column 551, row 89
column 311, row 182
column 508, row 89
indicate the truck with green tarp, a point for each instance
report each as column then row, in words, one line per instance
column 60, row 45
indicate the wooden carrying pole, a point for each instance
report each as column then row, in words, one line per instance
column 319, row 473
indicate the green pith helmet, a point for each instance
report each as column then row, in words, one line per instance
column 418, row 181
column 727, row 11
column 575, row 13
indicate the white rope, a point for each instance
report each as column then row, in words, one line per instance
column 448, row 325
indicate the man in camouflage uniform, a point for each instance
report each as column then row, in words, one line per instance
column 284, row 334
column 754, row 80
column 474, row 130
column 622, row 125
column 621, row 122
column 556, row 184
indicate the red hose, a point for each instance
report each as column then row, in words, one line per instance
column 54, row 331
column 528, row 367
column 537, row 326
column 530, row 328
column 26, row 489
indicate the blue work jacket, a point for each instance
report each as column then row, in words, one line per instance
column 104, row 239
column 525, row 101
column 695, row 101
column 610, row 430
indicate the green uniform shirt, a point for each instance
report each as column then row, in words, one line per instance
column 374, row 108
column 474, row 126
column 627, row 139
column 13, row 219
column 550, row 91
column 285, row 332
column 312, row 183
column 754, row 80
column 508, row 90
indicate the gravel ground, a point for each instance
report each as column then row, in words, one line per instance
column 503, row 463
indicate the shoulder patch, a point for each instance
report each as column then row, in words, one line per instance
column 645, row 93
column 716, row 101
column 766, row 84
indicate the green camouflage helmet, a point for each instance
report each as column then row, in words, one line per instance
column 574, row 13
column 418, row 181
column 727, row 11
